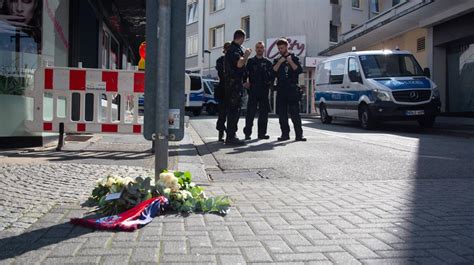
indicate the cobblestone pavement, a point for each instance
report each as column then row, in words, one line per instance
column 29, row 191
column 370, row 222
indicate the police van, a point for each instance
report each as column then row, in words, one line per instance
column 375, row 86
column 201, row 96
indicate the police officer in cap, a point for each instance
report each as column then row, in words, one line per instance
column 235, row 62
column 260, row 74
column 220, row 94
column 287, row 69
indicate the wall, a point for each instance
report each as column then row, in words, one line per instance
column 300, row 17
column 231, row 16
column 407, row 41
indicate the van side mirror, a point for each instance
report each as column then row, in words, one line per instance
column 355, row 76
column 427, row 72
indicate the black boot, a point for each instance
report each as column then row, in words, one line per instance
column 221, row 136
column 283, row 138
column 234, row 141
column 300, row 139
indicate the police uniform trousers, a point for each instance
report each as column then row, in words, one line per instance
column 288, row 104
column 233, row 98
column 258, row 101
column 222, row 109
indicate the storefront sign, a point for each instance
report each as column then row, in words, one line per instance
column 297, row 44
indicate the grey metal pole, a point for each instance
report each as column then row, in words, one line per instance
column 162, row 95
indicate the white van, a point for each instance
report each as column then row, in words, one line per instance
column 201, row 95
column 374, row 86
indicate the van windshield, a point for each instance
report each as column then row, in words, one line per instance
column 390, row 65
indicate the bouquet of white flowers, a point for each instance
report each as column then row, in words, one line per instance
column 115, row 194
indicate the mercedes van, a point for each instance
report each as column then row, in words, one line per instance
column 376, row 86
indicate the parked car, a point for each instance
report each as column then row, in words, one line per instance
column 375, row 86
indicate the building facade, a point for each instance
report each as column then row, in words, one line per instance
column 442, row 42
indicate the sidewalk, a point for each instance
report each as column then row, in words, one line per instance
column 273, row 219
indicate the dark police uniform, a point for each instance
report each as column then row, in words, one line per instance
column 288, row 97
column 233, row 77
column 220, row 95
column 260, row 74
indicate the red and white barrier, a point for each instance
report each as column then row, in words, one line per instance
column 61, row 83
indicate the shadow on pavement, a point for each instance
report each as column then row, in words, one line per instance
column 18, row 245
column 61, row 156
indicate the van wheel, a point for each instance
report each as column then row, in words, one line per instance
column 211, row 109
column 427, row 122
column 325, row 118
column 197, row 111
column 366, row 119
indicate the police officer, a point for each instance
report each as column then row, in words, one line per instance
column 287, row 69
column 260, row 74
column 220, row 94
column 235, row 61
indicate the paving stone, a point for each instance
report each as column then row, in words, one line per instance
column 231, row 260
column 174, row 247
column 277, row 246
column 343, row 258
column 296, row 240
column 300, row 257
column 115, row 259
column 257, row 254
column 360, row 251
column 145, row 255
column 65, row 250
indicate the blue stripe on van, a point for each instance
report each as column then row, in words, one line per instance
column 395, row 84
column 344, row 95
column 196, row 96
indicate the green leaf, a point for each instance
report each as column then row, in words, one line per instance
column 139, row 180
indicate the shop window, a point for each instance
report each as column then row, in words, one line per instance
column 245, row 25
column 217, row 36
column 110, row 50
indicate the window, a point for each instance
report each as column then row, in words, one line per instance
column 336, row 73
column 245, row 24
column 217, row 37
column 335, row 2
column 192, row 45
column 195, row 83
column 217, row 5
column 420, row 44
column 395, row 2
column 192, row 12
column 356, row 3
column 332, row 32
column 394, row 65
column 374, row 6
column 353, row 67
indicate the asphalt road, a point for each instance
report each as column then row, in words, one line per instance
column 343, row 151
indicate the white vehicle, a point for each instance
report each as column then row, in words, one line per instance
column 374, row 86
column 201, row 95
